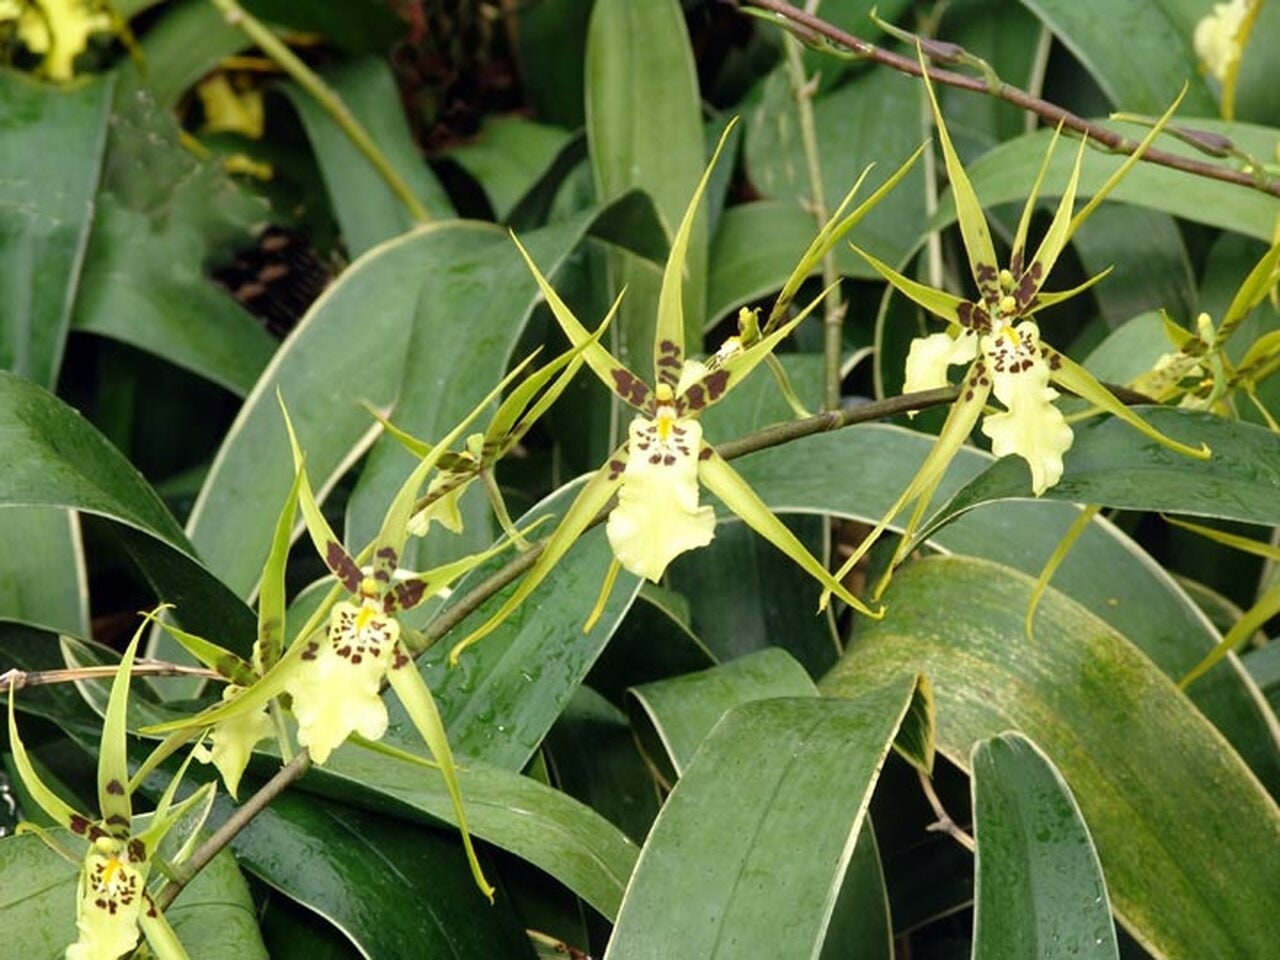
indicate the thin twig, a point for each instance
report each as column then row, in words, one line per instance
column 328, row 98
column 810, row 25
column 186, row 871
column 944, row 822
column 16, row 679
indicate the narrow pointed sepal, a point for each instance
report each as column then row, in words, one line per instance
column 722, row 480
column 421, row 707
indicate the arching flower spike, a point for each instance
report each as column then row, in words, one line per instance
column 996, row 334
column 656, row 473
column 113, row 906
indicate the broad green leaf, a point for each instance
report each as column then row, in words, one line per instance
column 750, row 850
column 1003, row 175
column 550, row 830
column 508, row 157
column 550, row 42
column 161, row 216
column 42, row 572
column 351, row 348
column 1149, row 260
column 507, row 690
column 214, row 916
column 1111, row 464
column 1105, row 571
column 368, row 212
column 644, row 130
column 56, row 458
column 674, row 716
column 1136, row 752
column 51, row 150
column 593, row 757
column 1040, row 890
column 416, row 893
column 1134, row 50
column 185, row 44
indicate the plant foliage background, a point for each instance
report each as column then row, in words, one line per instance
column 200, row 222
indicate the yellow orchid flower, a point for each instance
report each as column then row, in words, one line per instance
column 997, row 336
column 58, row 29
column 113, row 908
column 657, row 472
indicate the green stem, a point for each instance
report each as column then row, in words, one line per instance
column 833, row 308
column 327, row 97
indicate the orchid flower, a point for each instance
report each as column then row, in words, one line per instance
column 334, row 672
column 997, row 336
column 1199, row 373
column 113, row 906
column 57, row 29
column 656, row 474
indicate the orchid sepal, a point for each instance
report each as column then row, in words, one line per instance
column 421, row 707
column 736, row 494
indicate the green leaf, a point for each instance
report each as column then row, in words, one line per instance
column 54, row 457
column 1136, row 752
column 508, row 158
column 1111, row 464
column 1105, row 571
column 416, row 894
column 1003, row 175
column 161, row 216
column 644, row 130
column 1040, row 890
column 1135, row 50
column 367, row 211
column 753, row 843
column 550, row 830
column 673, row 716
column 185, row 44
column 42, row 573
column 51, row 150
column 214, row 916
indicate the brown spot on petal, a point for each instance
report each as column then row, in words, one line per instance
column 704, row 453
column 115, row 788
column 630, row 387
column 716, row 384
column 615, row 468
column 117, row 820
column 137, row 851
column 409, row 593
column 343, row 567
column 79, row 825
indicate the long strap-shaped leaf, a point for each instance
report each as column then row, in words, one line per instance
column 421, row 707
column 668, row 342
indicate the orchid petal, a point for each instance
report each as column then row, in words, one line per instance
column 160, row 936
column 113, row 759
column 233, row 740
column 1054, row 240
column 613, row 373
column 1259, row 282
column 658, row 517
column 668, row 340
column 1031, row 426
column 271, row 593
column 973, row 223
column 1070, row 375
column 597, row 492
column 421, row 707
column 1018, row 251
column 931, row 356
column 407, row 592
column 722, row 480
column 831, row 233
column 48, row 801
column 1041, row 300
column 1254, row 619
column 941, row 304
column 959, row 424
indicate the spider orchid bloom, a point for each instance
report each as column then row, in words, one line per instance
column 456, row 471
column 656, row 473
column 334, row 672
column 113, row 906
column 997, row 336
column 1199, row 373
column 57, row 29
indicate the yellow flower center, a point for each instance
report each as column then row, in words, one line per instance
column 1006, row 280
column 1008, row 331
column 1008, row 306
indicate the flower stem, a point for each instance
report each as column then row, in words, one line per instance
column 186, row 871
column 328, row 98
